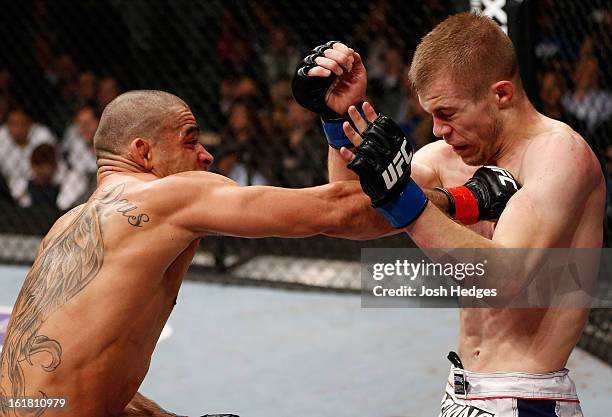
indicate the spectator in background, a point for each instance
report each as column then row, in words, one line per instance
column 588, row 102
column 304, row 162
column 554, row 43
column 228, row 164
column 412, row 119
column 64, row 76
column 233, row 45
column 280, row 97
column 77, row 143
column 280, row 55
column 386, row 88
column 373, row 37
column 87, row 88
column 243, row 127
column 108, row 89
column 552, row 88
column 42, row 191
column 245, row 132
column 51, row 185
column 234, row 87
column 18, row 137
column 63, row 79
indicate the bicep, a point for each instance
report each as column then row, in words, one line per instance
column 425, row 176
column 542, row 213
column 423, row 167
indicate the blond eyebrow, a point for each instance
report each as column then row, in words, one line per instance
column 444, row 108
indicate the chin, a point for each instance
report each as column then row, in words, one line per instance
column 474, row 160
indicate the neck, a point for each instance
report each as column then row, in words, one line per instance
column 517, row 128
column 118, row 165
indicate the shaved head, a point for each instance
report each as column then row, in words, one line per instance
column 135, row 114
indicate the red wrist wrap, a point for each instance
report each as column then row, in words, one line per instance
column 466, row 205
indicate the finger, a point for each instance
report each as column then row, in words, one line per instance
column 344, row 59
column 358, row 121
column 358, row 63
column 319, row 72
column 339, row 46
column 351, row 134
column 329, row 64
column 346, row 154
column 369, row 112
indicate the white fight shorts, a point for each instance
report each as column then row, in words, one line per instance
column 472, row 394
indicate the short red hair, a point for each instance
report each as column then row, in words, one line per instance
column 472, row 49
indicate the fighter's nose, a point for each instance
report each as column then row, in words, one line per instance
column 206, row 159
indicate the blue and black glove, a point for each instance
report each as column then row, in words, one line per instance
column 310, row 93
column 382, row 162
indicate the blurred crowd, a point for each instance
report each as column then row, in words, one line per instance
column 574, row 77
column 256, row 131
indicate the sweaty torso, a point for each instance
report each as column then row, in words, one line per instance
column 520, row 340
column 93, row 306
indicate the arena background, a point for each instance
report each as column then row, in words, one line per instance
column 61, row 61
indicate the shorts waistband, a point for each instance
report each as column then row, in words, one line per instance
column 556, row 385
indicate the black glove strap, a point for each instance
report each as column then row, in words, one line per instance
column 451, row 200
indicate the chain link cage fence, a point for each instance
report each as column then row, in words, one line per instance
column 62, row 61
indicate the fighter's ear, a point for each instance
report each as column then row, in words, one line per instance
column 140, row 151
column 503, row 92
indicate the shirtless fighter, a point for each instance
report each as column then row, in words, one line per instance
column 107, row 274
column 466, row 75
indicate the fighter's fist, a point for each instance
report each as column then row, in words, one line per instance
column 382, row 161
column 329, row 80
column 482, row 197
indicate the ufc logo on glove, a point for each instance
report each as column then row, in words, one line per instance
column 504, row 176
column 394, row 170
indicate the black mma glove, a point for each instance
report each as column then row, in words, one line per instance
column 482, row 197
column 382, row 162
column 310, row 93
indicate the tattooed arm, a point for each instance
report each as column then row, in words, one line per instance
column 208, row 203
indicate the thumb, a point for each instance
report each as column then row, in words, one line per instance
column 346, row 154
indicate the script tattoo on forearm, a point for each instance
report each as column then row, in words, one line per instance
column 64, row 266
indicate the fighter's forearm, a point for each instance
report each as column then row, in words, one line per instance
column 336, row 167
column 434, row 229
column 351, row 213
column 438, row 199
column 362, row 222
